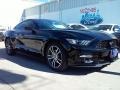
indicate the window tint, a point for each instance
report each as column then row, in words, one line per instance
column 20, row 26
column 58, row 25
column 23, row 25
column 43, row 26
column 52, row 25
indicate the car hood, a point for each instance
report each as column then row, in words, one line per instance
column 86, row 34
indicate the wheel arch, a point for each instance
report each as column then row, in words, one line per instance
column 9, row 35
column 66, row 47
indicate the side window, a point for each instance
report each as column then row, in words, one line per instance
column 43, row 26
column 30, row 25
column 26, row 25
column 20, row 26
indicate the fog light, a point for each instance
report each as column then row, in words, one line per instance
column 86, row 56
column 88, row 61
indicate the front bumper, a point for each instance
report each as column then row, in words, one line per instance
column 92, row 57
column 94, row 65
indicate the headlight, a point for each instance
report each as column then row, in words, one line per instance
column 79, row 42
column 72, row 41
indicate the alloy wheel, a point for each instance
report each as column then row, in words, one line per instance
column 54, row 57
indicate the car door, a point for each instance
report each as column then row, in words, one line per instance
column 19, row 33
column 24, row 35
column 32, row 37
column 40, row 36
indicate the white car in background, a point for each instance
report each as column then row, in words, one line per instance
column 77, row 26
column 109, row 28
column 113, row 29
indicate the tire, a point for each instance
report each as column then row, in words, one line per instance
column 9, row 47
column 56, row 57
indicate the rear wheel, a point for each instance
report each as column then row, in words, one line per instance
column 56, row 57
column 9, row 47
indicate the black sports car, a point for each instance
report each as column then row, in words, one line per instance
column 60, row 45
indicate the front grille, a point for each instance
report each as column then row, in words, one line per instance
column 107, row 44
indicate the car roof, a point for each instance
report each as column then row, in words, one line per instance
column 39, row 20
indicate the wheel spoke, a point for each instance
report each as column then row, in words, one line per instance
column 59, row 62
column 51, row 49
column 53, row 63
column 58, row 51
column 50, row 57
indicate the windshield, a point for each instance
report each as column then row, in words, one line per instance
column 52, row 25
column 58, row 25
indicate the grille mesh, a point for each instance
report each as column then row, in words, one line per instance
column 107, row 44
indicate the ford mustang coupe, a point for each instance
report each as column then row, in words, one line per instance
column 60, row 45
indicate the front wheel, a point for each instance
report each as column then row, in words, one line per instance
column 9, row 47
column 56, row 57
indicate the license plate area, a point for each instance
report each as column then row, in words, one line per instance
column 113, row 53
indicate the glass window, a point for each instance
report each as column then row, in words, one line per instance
column 42, row 25
column 53, row 25
column 31, row 25
column 26, row 25
column 20, row 26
